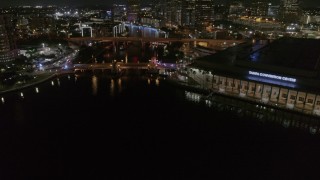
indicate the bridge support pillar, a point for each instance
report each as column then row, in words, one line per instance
column 114, row 30
column 115, row 45
column 131, row 29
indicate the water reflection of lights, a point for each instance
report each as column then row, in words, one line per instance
column 208, row 103
column 94, row 85
column 313, row 130
column 260, row 116
column 157, row 82
column 262, row 113
column 119, row 84
column 21, row 95
column 52, row 83
column 195, row 97
column 112, row 87
column 37, row 90
column 126, row 58
column 69, row 77
column 149, row 81
column 2, row 100
column 286, row 123
column 58, row 80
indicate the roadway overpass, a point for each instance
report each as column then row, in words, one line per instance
column 210, row 43
column 118, row 66
column 135, row 30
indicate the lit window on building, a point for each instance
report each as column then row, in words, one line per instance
column 310, row 101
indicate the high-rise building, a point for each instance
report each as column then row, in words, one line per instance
column 133, row 10
column 273, row 10
column 173, row 13
column 221, row 11
column 8, row 48
column 259, row 8
column 119, row 12
column 204, row 13
column 289, row 11
column 188, row 13
column 236, row 8
column 159, row 11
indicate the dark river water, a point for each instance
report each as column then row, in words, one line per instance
column 96, row 127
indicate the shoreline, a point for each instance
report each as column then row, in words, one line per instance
column 174, row 82
column 207, row 94
column 28, row 85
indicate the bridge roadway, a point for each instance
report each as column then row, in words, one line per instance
column 121, row 65
column 210, row 42
column 118, row 65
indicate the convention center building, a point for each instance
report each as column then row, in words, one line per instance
column 283, row 73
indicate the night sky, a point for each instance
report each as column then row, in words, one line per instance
column 6, row 3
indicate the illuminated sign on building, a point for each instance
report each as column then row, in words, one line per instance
column 272, row 76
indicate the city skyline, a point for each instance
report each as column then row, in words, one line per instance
column 306, row 3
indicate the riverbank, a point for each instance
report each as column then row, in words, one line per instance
column 41, row 78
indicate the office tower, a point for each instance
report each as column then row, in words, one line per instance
column 133, row 10
column 273, row 10
column 221, row 12
column 8, row 48
column 159, row 11
column 173, row 13
column 204, row 13
column 119, row 12
column 289, row 11
column 236, row 8
column 259, row 8
column 188, row 13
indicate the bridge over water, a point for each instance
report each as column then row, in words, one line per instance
column 145, row 33
column 214, row 44
column 136, row 30
column 118, row 66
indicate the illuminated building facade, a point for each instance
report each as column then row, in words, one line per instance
column 204, row 13
column 8, row 49
column 160, row 11
column 289, row 11
column 284, row 79
column 236, row 8
column 173, row 13
column 273, row 10
column 133, row 10
column 221, row 12
column 188, row 13
column 259, row 8
column 119, row 12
